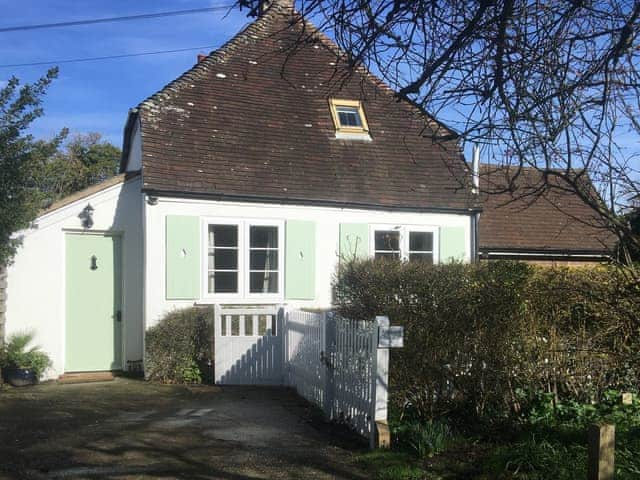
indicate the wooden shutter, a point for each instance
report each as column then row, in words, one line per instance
column 300, row 260
column 354, row 241
column 182, row 257
column 452, row 244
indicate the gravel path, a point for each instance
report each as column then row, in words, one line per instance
column 127, row 429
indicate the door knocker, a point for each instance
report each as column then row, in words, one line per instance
column 94, row 262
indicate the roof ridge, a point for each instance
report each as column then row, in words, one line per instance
column 200, row 68
column 256, row 26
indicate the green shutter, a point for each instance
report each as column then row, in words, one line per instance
column 183, row 257
column 452, row 244
column 300, row 258
column 354, row 240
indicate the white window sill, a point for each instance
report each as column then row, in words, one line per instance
column 363, row 137
column 267, row 300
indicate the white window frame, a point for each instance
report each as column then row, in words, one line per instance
column 405, row 230
column 243, row 293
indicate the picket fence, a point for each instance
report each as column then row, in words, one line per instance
column 335, row 363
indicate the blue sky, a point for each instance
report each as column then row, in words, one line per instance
column 95, row 96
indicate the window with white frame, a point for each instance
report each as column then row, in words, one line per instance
column 243, row 259
column 387, row 244
column 414, row 244
column 263, row 259
column 223, row 259
column 420, row 247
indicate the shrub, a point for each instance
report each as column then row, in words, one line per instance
column 483, row 341
column 423, row 439
column 178, row 345
column 15, row 354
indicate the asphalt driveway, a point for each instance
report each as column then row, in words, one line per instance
column 132, row 429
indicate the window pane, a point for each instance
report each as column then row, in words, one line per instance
column 262, row 325
column 421, row 257
column 387, row 240
column 248, row 325
column 235, row 325
column 263, row 282
column 223, row 235
column 222, row 259
column 390, row 255
column 421, row 241
column 223, row 282
column 263, row 237
column 264, row 260
column 349, row 116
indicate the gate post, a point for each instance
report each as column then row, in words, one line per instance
column 283, row 331
column 385, row 337
column 328, row 334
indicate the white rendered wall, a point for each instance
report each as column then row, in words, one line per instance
column 134, row 161
column 36, row 279
column 327, row 222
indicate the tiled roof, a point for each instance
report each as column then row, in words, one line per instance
column 252, row 120
column 527, row 220
column 87, row 192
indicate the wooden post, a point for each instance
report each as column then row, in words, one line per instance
column 602, row 444
column 386, row 337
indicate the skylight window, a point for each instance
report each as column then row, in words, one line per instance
column 348, row 117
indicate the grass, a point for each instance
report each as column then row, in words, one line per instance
column 392, row 465
column 534, row 454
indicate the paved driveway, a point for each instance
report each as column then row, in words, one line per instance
column 131, row 429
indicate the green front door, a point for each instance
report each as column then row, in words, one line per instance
column 93, row 303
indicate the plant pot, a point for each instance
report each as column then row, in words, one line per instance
column 20, row 377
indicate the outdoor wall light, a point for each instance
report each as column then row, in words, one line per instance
column 152, row 200
column 86, row 215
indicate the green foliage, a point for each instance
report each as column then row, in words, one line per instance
column 538, row 459
column 191, row 373
column 391, row 465
column 16, row 354
column 85, row 160
column 559, row 452
column 20, row 198
column 177, row 344
column 423, row 439
column 482, row 341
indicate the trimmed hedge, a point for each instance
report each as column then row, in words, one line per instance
column 485, row 340
column 178, row 347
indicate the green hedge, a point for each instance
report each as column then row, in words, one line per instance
column 485, row 340
column 179, row 346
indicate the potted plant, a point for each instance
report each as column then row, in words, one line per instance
column 22, row 366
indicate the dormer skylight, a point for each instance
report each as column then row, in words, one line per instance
column 348, row 118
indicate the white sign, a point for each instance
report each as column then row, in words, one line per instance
column 390, row 337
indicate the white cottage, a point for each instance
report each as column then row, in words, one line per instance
column 244, row 182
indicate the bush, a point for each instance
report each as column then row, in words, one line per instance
column 423, row 439
column 15, row 354
column 178, row 346
column 483, row 341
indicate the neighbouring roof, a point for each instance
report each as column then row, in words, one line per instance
column 87, row 192
column 525, row 220
column 252, row 121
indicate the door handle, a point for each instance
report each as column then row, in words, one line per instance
column 119, row 316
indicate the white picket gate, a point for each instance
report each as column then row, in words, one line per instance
column 334, row 362
column 248, row 346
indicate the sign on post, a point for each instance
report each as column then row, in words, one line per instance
column 391, row 337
